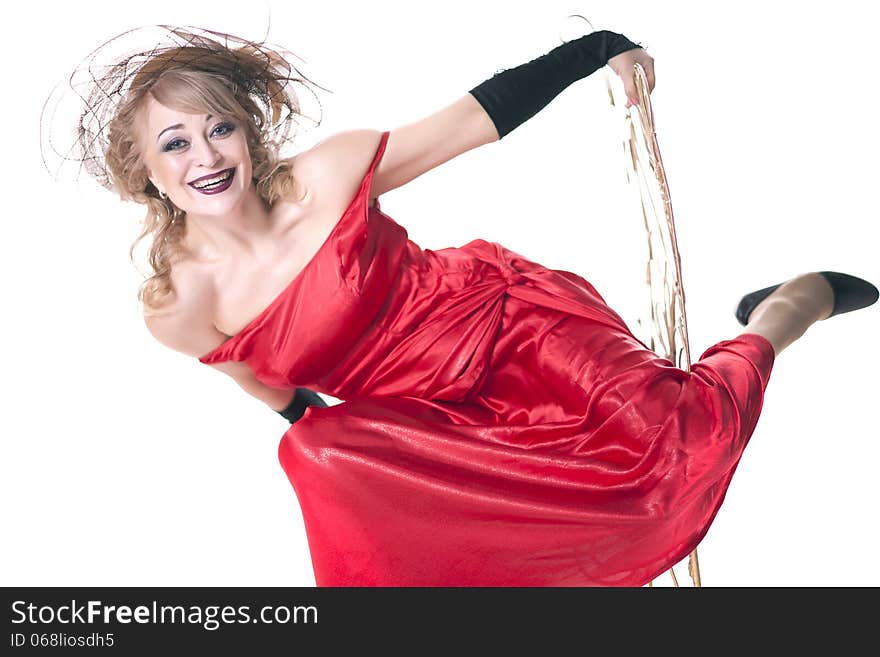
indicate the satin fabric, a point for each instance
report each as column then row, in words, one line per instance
column 501, row 425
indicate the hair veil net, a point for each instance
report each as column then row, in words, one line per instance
column 75, row 117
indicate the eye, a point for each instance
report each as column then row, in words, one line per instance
column 170, row 145
column 226, row 127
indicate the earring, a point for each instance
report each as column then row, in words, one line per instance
column 163, row 195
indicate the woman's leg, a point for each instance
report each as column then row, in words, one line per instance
column 791, row 309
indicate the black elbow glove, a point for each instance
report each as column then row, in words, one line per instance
column 515, row 95
column 302, row 398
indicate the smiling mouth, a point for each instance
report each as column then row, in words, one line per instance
column 214, row 184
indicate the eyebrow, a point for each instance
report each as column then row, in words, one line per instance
column 179, row 125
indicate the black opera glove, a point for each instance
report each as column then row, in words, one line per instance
column 302, row 398
column 515, row 95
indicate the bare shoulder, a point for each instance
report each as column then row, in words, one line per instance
column 336, row 165
column 333, row 168
column 186, row 323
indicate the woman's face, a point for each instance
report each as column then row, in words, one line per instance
column 184, row 151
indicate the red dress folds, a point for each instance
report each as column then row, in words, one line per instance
column 501, row 426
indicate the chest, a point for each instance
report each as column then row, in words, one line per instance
column 245, row 288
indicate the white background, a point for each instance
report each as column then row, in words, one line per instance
column 125, row 463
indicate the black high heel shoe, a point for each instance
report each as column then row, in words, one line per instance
column 850, row 293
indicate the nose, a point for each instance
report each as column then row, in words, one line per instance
column 207, row 154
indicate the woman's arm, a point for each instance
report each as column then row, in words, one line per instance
column 275, row 398
column 415, row 148
column 485, row 114
column 336, row 164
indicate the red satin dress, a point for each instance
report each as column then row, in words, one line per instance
column 501, row 425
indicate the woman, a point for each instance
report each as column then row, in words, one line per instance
column 501, row 424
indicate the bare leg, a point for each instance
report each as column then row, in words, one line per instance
column 791, row 309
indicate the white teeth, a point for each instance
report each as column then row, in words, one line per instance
column 211, row 181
